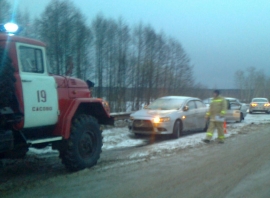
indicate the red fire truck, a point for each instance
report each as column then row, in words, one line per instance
column 38, row 108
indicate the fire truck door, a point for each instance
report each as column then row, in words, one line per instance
column 39, row 89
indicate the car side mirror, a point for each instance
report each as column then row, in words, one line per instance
column 185, row 108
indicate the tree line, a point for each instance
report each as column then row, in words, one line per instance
column 116, row 56
column 130, row 64
column 251, row 83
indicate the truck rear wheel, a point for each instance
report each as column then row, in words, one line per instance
column 84, row 144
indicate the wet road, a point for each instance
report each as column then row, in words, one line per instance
column 238, row 168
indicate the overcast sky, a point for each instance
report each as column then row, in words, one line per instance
column 220, row 36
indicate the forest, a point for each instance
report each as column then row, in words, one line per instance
column 131, row 65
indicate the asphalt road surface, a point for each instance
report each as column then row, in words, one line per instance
column 238, row 168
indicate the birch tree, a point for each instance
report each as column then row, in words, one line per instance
column 62, row 27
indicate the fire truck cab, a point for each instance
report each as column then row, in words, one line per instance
column 38, row 108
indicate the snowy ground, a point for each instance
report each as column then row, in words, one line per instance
column 121, row 138
column 117, row 138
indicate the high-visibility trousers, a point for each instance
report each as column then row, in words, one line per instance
column 211, row 129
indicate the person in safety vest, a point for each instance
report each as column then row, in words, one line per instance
column 216, row 114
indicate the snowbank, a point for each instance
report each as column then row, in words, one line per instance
column 119, row 138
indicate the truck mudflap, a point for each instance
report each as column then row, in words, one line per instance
column 6, row 140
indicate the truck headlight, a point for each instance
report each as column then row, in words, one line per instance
column 106, row 106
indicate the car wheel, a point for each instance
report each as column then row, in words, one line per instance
column 138, row 135
column 241, row 117
column 177, row 129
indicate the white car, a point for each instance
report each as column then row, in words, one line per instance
column 259, row 105
column 170, row 115
column 236, row 111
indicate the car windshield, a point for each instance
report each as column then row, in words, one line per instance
column 260, row 100
column 166, row 104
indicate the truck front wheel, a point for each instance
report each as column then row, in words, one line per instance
column 84, row 144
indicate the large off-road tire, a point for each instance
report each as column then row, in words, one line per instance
column 177, row 129
column 18, row 153
column 84, row 144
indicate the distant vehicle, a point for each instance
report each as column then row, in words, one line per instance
column 170, row 115
column 259, row 105
column 236, row 111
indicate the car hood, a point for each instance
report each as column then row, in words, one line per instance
column 152, row 113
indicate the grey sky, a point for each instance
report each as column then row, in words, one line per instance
column 220, row 36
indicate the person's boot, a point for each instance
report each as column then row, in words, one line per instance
column 206, row 141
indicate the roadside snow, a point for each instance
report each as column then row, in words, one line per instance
column 120, row 137
column 46, row 150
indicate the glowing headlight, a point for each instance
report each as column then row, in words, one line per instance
column 158, row 119
column 253, row 104
column 267, row 105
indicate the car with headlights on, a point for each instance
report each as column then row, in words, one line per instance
column 236, row 111
column 259, row 105
column 170, row 115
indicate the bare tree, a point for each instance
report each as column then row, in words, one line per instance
column 99, row 27
column 63, row 28
column 23, row 18
column 5, row 11
column 251, row 83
